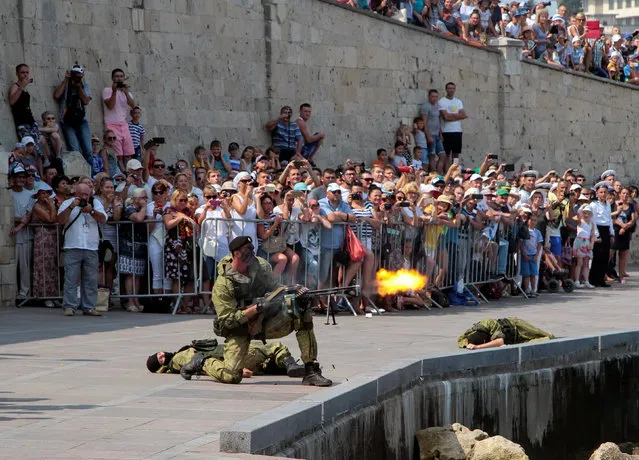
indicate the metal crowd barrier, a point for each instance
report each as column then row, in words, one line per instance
column 307, row 253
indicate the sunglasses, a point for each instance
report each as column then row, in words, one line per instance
column 51, row 119
column 119, row 179
column 182, row 200
column 314, row 206
column 245, row 180
column 367, row 179
column 336, row 191
column 111, row 138
column 157, row 192
column 159, row 166
column 143, row 197
column 31, row 175
column 210, row 197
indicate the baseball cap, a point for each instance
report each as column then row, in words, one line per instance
column 95, row 138
column 17, row 170
column 438, row 180
column 585, row 208
column 18, row 145
column 583, row 197
column 475, row 177
column 471, row 191
column 530, row 172
column 520, row 12
column 574, row 187
column 526, row 208
column 557, row 17
column 300, row 187
column 503, row 191
column 616, row 38
column 26, row 140
column 133, row 165
column 78, row 69
column 333, row 187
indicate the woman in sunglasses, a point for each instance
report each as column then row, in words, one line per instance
column 133, row 246
column 243, row 208
column 112, row 205
column 154, row 211
column 179, row 245
column 108, row 151
column 215, row 231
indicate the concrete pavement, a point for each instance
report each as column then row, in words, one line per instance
column 77, row 387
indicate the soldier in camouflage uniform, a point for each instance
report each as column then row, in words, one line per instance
column 271, row 359
column 242, row 278
column 492, row 333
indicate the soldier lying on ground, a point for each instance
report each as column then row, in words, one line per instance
column 492, row 333
column 271, row 359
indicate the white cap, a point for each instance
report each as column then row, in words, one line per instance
column 133, row 165
column 585, row 208
column 471, row 191
column 576, row 39
column 475, row 177
column 606, row 173
column 27, row 140
column 583, row 197
column 574, row 187
column 217, row 187
column 490, row 172
column 526, row 208
column 616, row 38
column 333, row 187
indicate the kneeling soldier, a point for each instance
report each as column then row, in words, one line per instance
column 245, row 313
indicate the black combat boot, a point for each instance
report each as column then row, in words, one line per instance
column 194, row 367
column 293, row 369
column 313, row 376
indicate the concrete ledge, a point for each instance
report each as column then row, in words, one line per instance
column 256, row 434
column 469, row 362
column 280, row 427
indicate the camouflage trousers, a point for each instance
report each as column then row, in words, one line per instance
column 238, row 354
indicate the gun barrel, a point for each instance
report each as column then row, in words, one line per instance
column 331, row 291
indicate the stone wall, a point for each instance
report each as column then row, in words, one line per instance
column 204, row 70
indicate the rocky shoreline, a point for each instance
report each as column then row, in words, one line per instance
column 458, row 442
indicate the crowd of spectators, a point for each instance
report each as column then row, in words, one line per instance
column 563, row 40
column 139, row 226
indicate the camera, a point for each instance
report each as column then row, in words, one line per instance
column 120, row 85
column 404, row 204
column 492, row 156
column 298, row 164
column 356, row 196
column 508, row 167
column 387, row 206
column 83, row 204
column 477, row 196
column 158, row 140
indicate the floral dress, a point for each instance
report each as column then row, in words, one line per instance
column 178, row 250
column 46, row 281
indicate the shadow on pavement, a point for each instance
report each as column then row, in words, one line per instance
column 33, row 323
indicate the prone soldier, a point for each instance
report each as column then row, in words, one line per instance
column 492, row 333
column 271, row 359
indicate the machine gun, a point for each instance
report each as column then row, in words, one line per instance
column 284, row 306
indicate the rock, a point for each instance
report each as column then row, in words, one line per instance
column 467, row 438
column 611, row 451
column 498, row 448
column 439, row 443
column 75, row 164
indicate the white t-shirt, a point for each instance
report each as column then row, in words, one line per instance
column 216, row 230
column 453, row 105
column 83, row 232
column 513, row 30
column 157, row 230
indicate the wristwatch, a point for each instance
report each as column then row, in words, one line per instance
column 92, row 212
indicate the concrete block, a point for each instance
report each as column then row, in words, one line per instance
column 75, row 164
column 341, row 399
column 397, row 375
column 258, row 433
column 558, row 351
column 619, row 342
column 473, row 362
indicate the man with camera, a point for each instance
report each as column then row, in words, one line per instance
column 135, row 175
column 117, row 103
column 74, row 95
column 80, row 217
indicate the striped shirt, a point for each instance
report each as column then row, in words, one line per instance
column 367, row 230
column 137, row 132
column 286, row 135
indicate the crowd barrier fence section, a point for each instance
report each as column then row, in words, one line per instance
column 153, row 262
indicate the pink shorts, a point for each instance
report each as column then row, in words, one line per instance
column 123, row 145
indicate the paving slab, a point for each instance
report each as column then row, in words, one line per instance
column 78, row 387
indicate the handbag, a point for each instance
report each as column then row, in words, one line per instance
column 209, row 247
column 106, row 253
column 102, row 303
column 276, row 242
column 354, row 247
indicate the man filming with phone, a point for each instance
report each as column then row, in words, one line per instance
column 117, row 103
